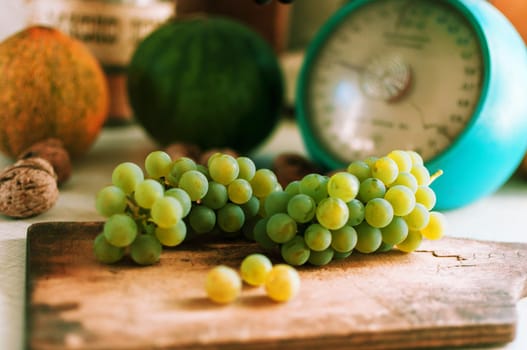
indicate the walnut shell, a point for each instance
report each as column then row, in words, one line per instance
column 28, row 188
column 181, row 149
column 289, row 167
column 54, row 152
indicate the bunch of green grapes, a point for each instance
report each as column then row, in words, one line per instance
column 174, row 199
column 375, row 205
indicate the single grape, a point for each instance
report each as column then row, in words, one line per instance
column 255, row 268
column 147, row 192
column 247, row 168
column 407, row 180
column 301, row 208
column 402, row 159
column 421, row 175
column 315, row 186
column 239, row 191
column 126, row 176
column 230, row 218
column 384, row 247
column 371, row 188
column 378, row 212
column 223, row 285
column 418, row 218
column 110, row 200
column 106, row 252
column 385, row 169
column 321, row 258
column 171, row 236
column 332, row 213
column 166, row 211
column 317, row 237
column 416, row 158
column 282, row 283
column 178, row 168
column 202, row 219
column 369, row 238
column 401, row 198
column 344, row 239
column 145, row 250
column 295, row 252
column 195, row 184
column 263, row 182
column 343, row 185
column 183, row 198
column 251, row 207
column 261, row 237
column 293, row 187
column 340, row 256
column 216, row 196
column 411, row 243
column 436, row 226
column 370, row 161
column 426, row 196
column 248, row 227
column 276, row 202
column 158, row 164
column 120, row 230
column 223, row 169
column 395, row 232
column 356, row 212
column 360, row 169
column 281, row 228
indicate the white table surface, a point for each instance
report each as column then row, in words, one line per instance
column 501, row 216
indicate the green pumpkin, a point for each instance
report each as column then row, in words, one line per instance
column 209, row 81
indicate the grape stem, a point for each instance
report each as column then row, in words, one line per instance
column 435, row 175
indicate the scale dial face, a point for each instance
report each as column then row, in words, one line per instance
column 394, row 74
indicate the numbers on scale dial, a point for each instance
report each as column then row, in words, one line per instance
column 395, row 74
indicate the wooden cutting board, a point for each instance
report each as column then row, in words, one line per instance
column 452, row 292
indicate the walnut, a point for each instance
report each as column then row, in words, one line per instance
column 289, row 167
column 181, row 149
column 28, row 188
column 54, row 152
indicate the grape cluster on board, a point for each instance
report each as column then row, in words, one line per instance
column 373, row 206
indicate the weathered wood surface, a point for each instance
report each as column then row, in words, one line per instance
column 452, row 292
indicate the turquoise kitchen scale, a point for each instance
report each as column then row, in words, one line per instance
column 446, row 78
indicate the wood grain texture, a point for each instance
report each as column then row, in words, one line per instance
column 451, row 292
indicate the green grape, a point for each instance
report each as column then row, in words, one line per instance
column 344, row 239
column 321, row 258
column 223, row 169
column 385, row 169
column 407, row 180
column 332, row 213
column 370, row 161
column 421, row 175
column 371, row 188
column 204, row 170
column 356, row 212
column 251, row 207
column 315, row 186
column 239, row 191
column 172, row 236
column 145, row 250
column 295, row 252
column 416, row 158
column 223, row 285
column 106, row 252
column 248, row 227
column 411, row 243
column 183, row 198
column 378, row 212
column 344, row 186
column 301, row 208
column 212, row 156
column 402, row 159
column 230, row 218
column 263, row 182
column 255, row 268
column 401, row 198
column 395, row 232
column 178, row 168
column 120, row 230
column 247, row 168
column 293, row 187
column 369, row 238
column 418, row 217
column 166, row 211
column 426, row 196
column 261, row 237
column 276, row 202
column 110, row 200
column 384, row 247
column 360, row 169
column 282, row 283
column 436, row 226
column 317, row 237
column 147, row 192
column 202, row 219
column 158, row 164
column 340, row 256
column 216, row 196
column 126, row 176
column 195, row 184
column 281, row 227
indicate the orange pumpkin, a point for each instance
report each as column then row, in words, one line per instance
column 51, row 85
